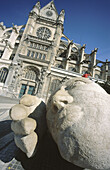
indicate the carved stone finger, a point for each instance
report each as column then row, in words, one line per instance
column 24, row 127
column 27, row 143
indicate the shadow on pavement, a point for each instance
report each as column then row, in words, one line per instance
column 47, row 156
column 7, row 145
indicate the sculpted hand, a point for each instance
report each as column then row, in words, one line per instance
column 28, row 116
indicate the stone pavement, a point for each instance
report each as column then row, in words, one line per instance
column 47, row 156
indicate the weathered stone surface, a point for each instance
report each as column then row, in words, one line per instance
column 81, row 127
column 18, row 112
column 23, row 127
column 29, row 100
column 27, row 143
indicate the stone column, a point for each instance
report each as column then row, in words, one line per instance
column 11, row 42
column 41, row 84
column 105, row 70
column 12, row 82
column 18, row 76
column 108, row 78
column 82, row 58
column 49, row 53
column 93, row 61
column 10, row 75
column 68, row 54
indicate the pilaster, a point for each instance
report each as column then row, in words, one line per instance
column 68, row 54
column 81, row 58
column 57, row 37
column 56, row 43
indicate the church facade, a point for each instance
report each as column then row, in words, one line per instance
column 35, row 58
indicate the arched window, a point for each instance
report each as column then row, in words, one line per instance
column 30, row 73
column 55, row 83
column 72, row 69
column 3, row 74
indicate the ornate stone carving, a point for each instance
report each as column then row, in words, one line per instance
column 61, row 17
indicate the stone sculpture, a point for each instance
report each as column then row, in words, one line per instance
column 78, row 118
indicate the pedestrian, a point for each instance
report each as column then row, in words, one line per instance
column 87, row 74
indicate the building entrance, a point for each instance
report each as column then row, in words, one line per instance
column 29, row 82
column 26, row 89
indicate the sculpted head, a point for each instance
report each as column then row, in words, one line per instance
column 78, row 117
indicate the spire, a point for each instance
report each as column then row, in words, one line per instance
column 36, row 8
column 61, row 17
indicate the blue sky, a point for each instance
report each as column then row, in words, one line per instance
column 86, row 21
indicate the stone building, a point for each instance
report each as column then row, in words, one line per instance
column 35, row 58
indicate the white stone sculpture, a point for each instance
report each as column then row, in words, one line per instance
column 78, row 118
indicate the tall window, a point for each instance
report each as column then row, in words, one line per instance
column 23, row 90
column 26, row 89
column 36, row 55
column 31, row 90
column 28, row 53
column 44, row 56
column 40, row 56
column 55, row 83
column 3, row 74
column 32, row 54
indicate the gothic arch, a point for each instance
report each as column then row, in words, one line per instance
column 3, row 66
column 29, row 81
column 31, row 73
